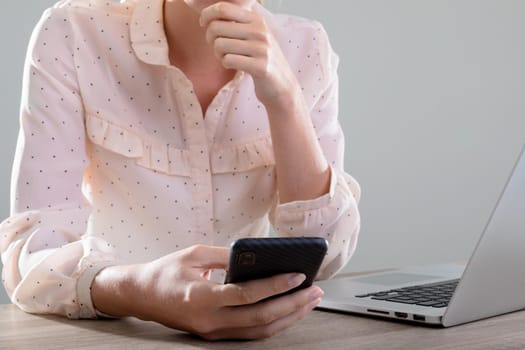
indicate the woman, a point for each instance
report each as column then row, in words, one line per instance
column 155, row 132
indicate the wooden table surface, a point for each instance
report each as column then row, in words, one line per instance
column 321, row 330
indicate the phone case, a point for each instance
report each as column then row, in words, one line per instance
column 256, row 258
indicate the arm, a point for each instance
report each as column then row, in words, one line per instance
column 253, row 49
column 48, row 263
column 316, row 196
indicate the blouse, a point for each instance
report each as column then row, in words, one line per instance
column 117, row 163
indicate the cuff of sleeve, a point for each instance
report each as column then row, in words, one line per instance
column 87, row 310
column 316, row 216
column 312, row 204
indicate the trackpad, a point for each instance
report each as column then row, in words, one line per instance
column 394, row 278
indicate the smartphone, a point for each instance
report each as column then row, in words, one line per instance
column 256, row 258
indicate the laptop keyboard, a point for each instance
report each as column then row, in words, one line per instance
column 433, row 294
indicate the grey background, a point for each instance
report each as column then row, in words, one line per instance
column 432, row 104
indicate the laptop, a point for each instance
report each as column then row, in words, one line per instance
column 492, row 283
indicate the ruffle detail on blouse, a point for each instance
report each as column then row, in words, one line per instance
column 242, row 157
column 113, row 137
column 315, row 216
column 156, row 155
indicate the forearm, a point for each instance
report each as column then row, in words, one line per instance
column 113, row 291
column 302, row 170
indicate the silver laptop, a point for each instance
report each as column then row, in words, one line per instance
column 492, row 283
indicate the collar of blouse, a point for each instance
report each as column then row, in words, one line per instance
column 148, row 37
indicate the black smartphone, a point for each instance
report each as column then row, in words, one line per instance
column 256, row 258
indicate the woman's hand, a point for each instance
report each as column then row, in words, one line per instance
column 175, row 291
column 243, row 41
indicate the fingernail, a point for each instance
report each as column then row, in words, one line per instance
column 316, row 293
column 296, row 279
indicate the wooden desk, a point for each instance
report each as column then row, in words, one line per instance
column 320, row 331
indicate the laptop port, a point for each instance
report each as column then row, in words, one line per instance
column 401, row 314
column 378, row 311
column 419, row 318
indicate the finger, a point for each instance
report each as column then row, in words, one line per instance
column 255, row 67
column 225, row 11
column 267, row 312
column 206, row 257
column 225, row 46
column 245, row 293
column 265, row 331
column 227, row 29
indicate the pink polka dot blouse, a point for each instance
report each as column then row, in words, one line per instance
column 117, row 163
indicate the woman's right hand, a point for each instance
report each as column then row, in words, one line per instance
column 176, row 292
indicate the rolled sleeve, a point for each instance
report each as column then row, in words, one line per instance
column 333, row 216
column 87, row 309
column 49, row 262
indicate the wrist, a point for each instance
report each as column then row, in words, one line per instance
column 113, row 290
column 279, row 95
column 287, row 106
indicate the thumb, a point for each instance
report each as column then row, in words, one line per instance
column 208, row 257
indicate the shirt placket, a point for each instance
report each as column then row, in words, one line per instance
column 199, row 158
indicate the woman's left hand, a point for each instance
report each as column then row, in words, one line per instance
column 243, row 41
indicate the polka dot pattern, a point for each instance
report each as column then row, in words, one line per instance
column 118, row 163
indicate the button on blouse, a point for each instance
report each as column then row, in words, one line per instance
column 117, row 163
